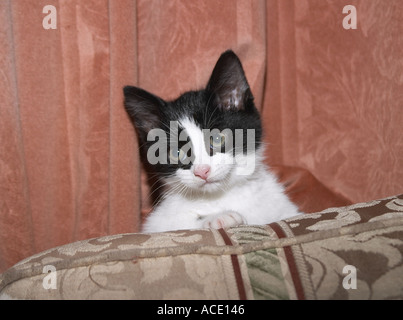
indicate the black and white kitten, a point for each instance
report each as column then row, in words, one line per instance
column 206, row 148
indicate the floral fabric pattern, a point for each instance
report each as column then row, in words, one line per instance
column 304, row 257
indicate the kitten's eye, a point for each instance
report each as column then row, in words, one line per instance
column 176, row 155
column 217, row 141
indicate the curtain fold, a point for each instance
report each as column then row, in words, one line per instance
column 124, row 194
column 330, row 99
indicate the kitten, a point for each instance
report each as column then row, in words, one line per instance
column 206, row 147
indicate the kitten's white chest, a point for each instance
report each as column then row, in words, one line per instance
column 258, row 201
column 237, row 199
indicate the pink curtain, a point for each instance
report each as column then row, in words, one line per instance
column 331, row 102
column 69, row 167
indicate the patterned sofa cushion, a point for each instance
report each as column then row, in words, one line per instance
column 353, row 252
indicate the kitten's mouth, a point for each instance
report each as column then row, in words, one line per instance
column 208, row 182
column 210, row 185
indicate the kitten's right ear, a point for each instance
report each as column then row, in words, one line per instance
column 143, row 108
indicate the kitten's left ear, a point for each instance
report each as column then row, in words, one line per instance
column 228, row 84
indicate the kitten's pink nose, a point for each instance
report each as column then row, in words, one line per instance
column 202, row 171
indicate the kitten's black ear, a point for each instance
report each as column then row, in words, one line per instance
column 143, row 108
column 228, row 83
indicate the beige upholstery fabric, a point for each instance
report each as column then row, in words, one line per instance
column 353, row 252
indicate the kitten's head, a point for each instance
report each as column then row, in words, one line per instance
column 204, row 141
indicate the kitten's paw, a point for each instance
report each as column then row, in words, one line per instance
column 223, row 220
